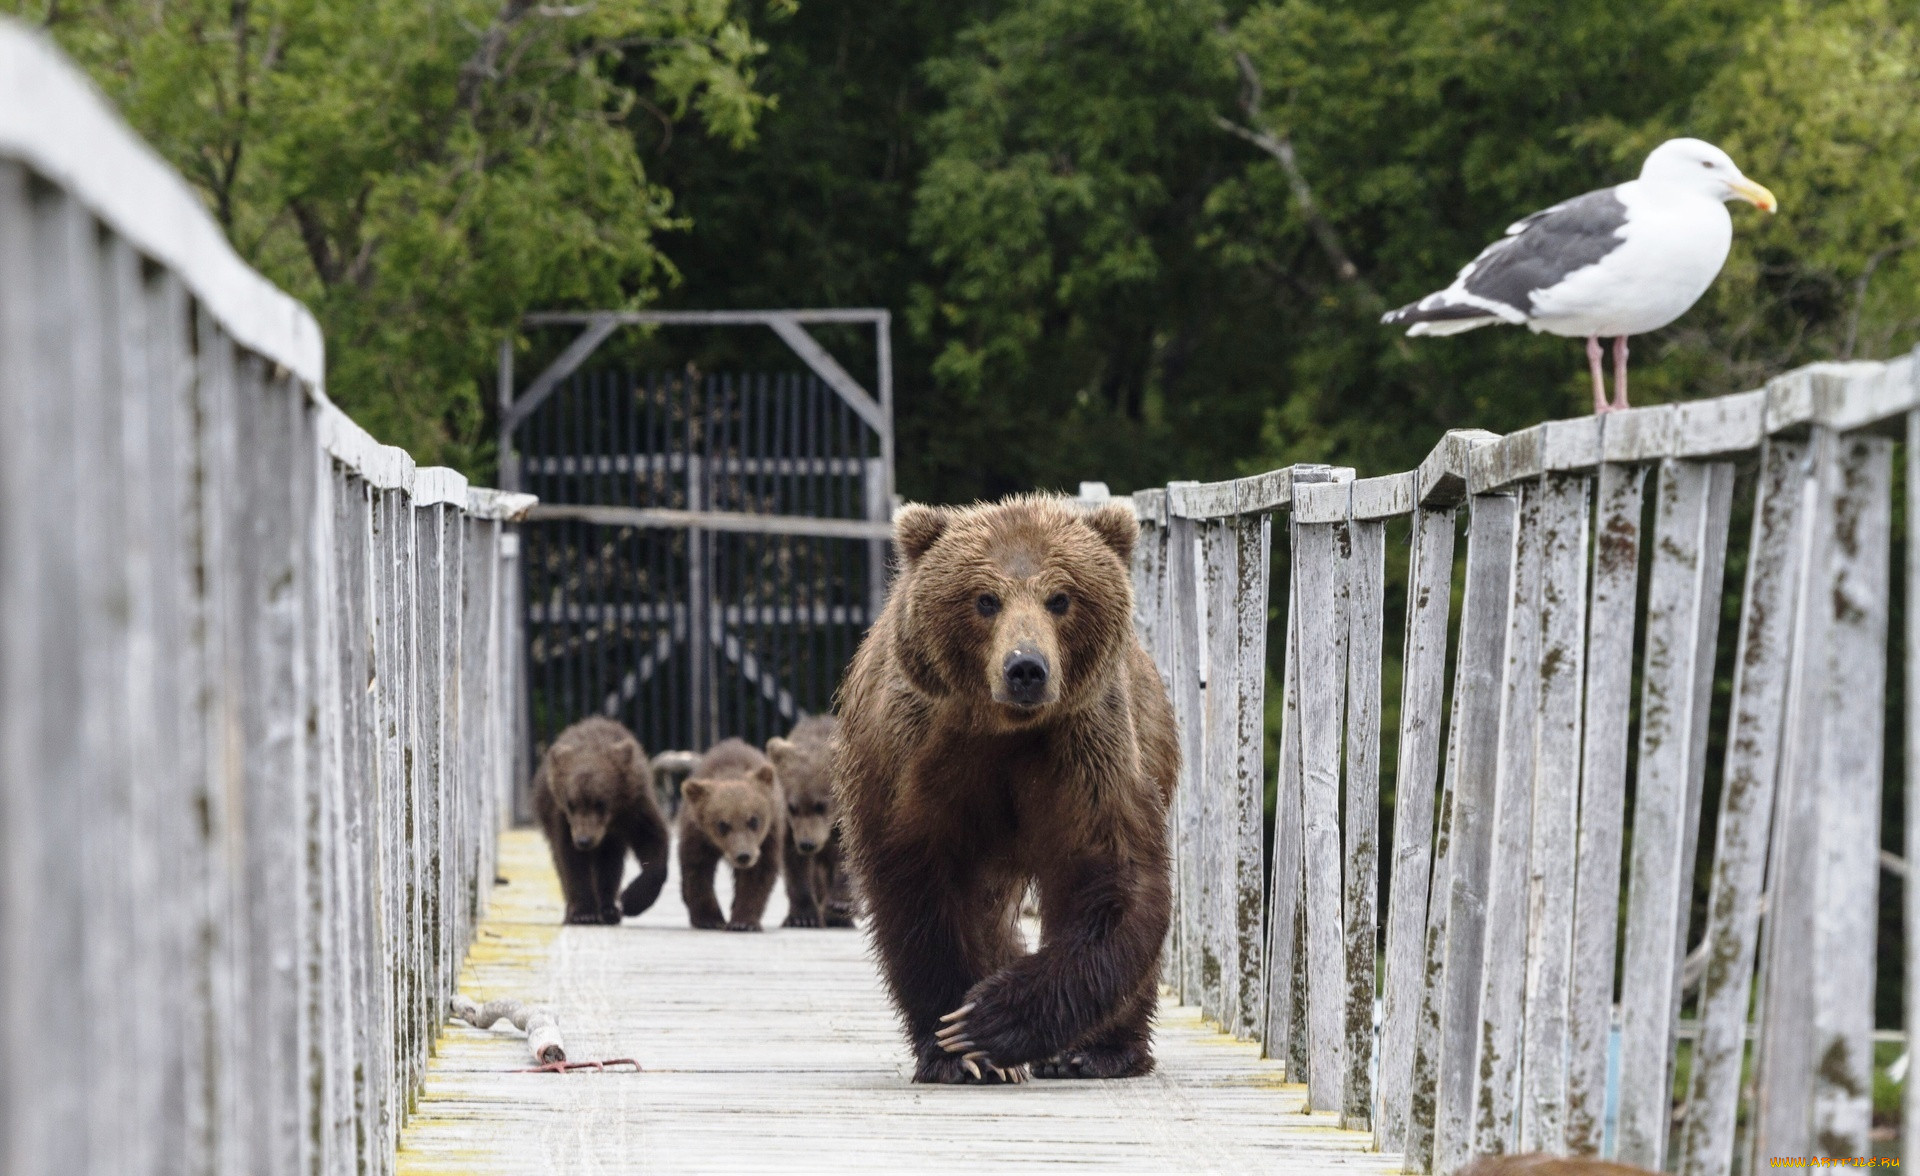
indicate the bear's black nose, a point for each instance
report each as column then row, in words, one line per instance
column 1026, row 676
column 805, row 846
column 580, row 842
column 745, row 859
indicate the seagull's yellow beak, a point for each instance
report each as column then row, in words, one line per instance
column 1754, row 194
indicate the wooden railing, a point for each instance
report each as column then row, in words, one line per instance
column 257, row 685
column 1506, row 920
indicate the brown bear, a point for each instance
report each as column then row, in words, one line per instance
column 730, row 811
column 819, row 890
column 1001, row 724
column 593, row 794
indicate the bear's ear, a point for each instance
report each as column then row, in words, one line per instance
column 916, row 528
column 764, row 774
column 778, row 749
column 1117, row 528
column 695, row 791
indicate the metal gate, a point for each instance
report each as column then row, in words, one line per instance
column 708, row 548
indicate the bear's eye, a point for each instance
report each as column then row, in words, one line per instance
column 723, row 828
column 793, row 809
column 988, row 604
column 820, row 807
column 753, row 823
column 1057, row 603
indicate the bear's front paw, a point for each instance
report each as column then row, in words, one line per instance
column 799, row 918
column 992, row 1024
column 950, row 1070
column 610, row 916
column 740, row 925
column 839, row 916
column 590, row 918
column 706, row 922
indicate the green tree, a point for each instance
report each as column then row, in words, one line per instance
column 421, row 174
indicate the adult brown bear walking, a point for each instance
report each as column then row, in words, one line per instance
column 1001, row 724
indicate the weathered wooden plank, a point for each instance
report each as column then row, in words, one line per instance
column 227, row 1095
column 1496, row 1118
column 1852, row 588
column 1183, row 574
column 1219, row 965
column 1284, row 908
column 1442, row 474
column 170, row 676
column 1248, row 817
column 1423, row 1104
column 1564, row 504
column 1468, row 834
column 1422, row 686
column 1776, row 561
column 1683, row 620
column 1322, row 588
column 1149, row 567
column 1603, row 775
column 267, row 609
column 1365, row 573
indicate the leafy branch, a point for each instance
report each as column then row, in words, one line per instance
column 1280, row 147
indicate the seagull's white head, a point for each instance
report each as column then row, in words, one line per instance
column 1699, row 166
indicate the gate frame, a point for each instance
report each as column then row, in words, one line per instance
column 597, row 326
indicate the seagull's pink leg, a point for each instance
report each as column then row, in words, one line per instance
column 1620, row 371
column 1599, row 382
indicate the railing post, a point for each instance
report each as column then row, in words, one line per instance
column 1683, row 621
column 1603, row 790
column 1776, row 564
column 1184, row 621
column 1321, row 538
column 1467, row 835
column 1247, row 831
column 1219, row 966
column 1438, row 488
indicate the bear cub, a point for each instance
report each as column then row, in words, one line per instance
column 819, row 891
column 593, row 795
column 730, row 811
column 1002, row 725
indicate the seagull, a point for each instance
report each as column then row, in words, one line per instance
column 1621, row 261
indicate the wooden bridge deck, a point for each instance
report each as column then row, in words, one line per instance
column 778, row 1052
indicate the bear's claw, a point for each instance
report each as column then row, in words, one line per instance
column 946, row 1069
column 801, row 919
column 743, row 926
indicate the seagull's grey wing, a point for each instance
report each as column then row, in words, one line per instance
column 1541, row 250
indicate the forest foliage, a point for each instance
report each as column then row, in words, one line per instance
column 1124, row 239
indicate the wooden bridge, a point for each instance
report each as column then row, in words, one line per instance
column 259, row 734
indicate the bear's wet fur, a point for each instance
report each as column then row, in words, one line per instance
column 819, row 890
column 1001, row 724
column 593, row 794
column 730, row 811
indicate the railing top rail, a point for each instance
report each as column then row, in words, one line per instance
column 54, row 121
column 1840, row 396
